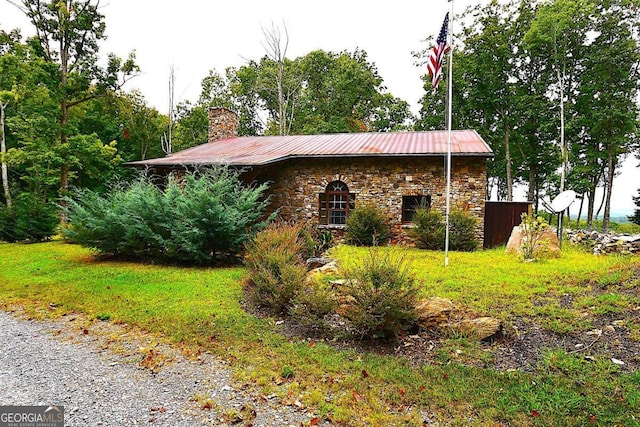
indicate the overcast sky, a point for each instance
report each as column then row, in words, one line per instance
column 198, row 35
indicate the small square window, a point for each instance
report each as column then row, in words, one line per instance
column 411, row 203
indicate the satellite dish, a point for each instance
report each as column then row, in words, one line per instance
column 562, row 201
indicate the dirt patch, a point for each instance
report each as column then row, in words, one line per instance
column 521, row 346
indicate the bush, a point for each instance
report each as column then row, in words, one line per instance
column 314, row 301
column 276, row 272
column 315, row 241
column 533, row 228
column 197, row 219
column 367, row 226
column 379, row 295
column 30, row 220
column 462, row 232
column 429, row 230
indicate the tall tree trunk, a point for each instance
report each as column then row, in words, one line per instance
column 3, row 153
column 64, row 119
column 605, row 189
column 592, row 201
column 532, row 183
column 580, row 210
column 507, row 151
column 611, row 169
column 563, row 143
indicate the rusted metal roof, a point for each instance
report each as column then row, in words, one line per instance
column 262, row 150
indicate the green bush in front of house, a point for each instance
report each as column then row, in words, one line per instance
column 200, row 218
column 367, row 226
column 276, row 270
column 462, row 231
column 430, row 229
column 379, row 295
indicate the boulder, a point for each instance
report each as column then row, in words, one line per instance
column 481, row 328
column 547, row 245
column 434, row 311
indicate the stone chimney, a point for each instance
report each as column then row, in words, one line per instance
column 223, row 124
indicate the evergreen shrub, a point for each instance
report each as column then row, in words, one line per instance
column 462, row 231
column 429, row 229
column 29, row 220
column 367, row 226
column 199, row 218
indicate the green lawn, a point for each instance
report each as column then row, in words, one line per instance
column 201, row 307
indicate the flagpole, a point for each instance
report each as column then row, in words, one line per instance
column 449, row 105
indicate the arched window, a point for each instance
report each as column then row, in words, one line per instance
column 335, row 204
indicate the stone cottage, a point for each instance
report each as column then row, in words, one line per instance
column 319, row 179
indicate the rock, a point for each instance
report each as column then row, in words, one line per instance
column 514, row 244
column 605, row 243
column 480, row 328
column 330, row 268
column 546, row 246
column 433, row 311
column 313, row 263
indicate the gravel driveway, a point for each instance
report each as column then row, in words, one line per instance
column 67, row 363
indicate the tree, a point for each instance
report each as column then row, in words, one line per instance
column 5, row 98
column 321, row 92
column 344, row 93
column 636, row 214
column 67, row 37
column 559, row 31
column 12, row 54
column 608, row 98
column 278, row 70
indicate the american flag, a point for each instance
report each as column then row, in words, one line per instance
column 434, row 65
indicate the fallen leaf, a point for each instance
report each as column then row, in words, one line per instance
column 313, row 421
column 592, row 419
column 356, row 396
column 535, row 413
column 85, row 331
column 312, row 344
column 401, row 391
column 422, row 388
column 364, row 373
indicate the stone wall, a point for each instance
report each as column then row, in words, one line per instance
column 296, row 184
column 223, row 124
column 604, row 243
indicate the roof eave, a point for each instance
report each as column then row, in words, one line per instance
column 141, row 164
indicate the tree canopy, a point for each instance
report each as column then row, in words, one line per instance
column 552, row 86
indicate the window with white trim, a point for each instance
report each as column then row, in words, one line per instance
column 336, row 203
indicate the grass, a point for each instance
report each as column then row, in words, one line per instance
column 201, row 308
